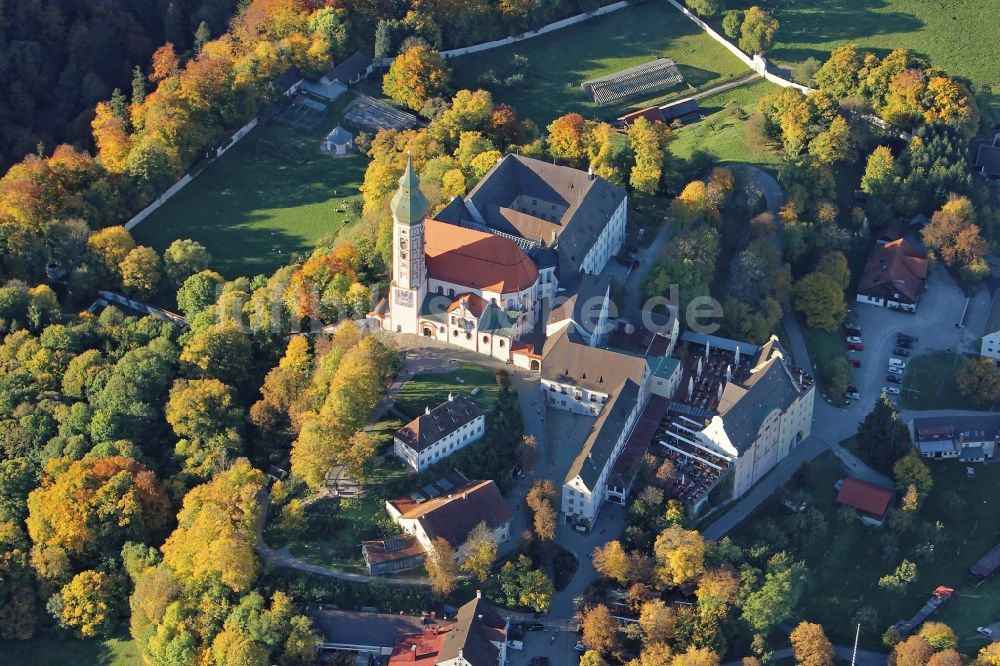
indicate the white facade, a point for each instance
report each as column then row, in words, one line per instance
column 990, row 346
column 609, row 243
column 573, row 398
column 887, row 303
column 778, row 433
column 501, row 533
column 579, row 501
column 442, row 448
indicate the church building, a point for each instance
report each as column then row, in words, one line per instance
column 481, row 279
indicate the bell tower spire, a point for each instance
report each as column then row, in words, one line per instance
column 408, row 206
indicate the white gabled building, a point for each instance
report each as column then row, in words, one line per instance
column 760, row 420
column 990, row 345
column 433, row 512
column 439, row 432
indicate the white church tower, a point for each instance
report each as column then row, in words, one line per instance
column 409, row 274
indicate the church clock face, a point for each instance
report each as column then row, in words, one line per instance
column 404, row 298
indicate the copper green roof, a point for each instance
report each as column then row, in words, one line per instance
column 408, row 205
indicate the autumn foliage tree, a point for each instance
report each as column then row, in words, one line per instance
column 600, row 631
column 611, row 561
column 416, row 75
column 85, row 510
column 811, row 646
column 541, row 500
column 680, row 556
column 442, row 569
column 204, row 415
column 481, row 552
column 653, row 167
column 978, row 380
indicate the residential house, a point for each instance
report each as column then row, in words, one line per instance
column 893, row 276
column 439, row 432
column 968, row 438
column 478, row 637
column 450, row 509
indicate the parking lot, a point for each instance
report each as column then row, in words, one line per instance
column 936, row 325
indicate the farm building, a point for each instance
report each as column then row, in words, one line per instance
column 683, row 110
column 870, row 501
column 987, row 565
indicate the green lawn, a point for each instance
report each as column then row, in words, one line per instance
column 560, row 61
column 952, row 34
column 722, row 132
column 929, row 383
column 846, row 563
column 46, row 651
column 824, row 347
column 336, row 528
column 257, row 205
column 430, row 390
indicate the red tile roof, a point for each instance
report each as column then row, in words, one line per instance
column 476, row 259
column 867, row 498
column 897, row 265
column 472, row 303
column 419, row 649
column 653, row 114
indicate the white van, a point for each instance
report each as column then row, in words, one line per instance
column 896, row 363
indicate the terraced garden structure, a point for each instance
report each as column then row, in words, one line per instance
column 560, row 61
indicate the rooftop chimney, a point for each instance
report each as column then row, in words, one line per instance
column 479, row 594
column 590, row 172
column 451, row 396
column 427, row 409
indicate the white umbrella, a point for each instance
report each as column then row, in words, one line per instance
column 708, row 348
column 699, row 367
column 720, row 390
column 690, row 386
column 737, row 355
column 729, row 373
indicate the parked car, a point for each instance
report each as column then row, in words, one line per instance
column 897, row 363
column 852, row 395
column 895, row 371
column 891, row 390
column 854, row 338
column 476, row 391
column 894, row 379
column 899, row 351
column 580, row 647
column 852, row 330
column 855, row 346
column 985, row 631
column 905, row 344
